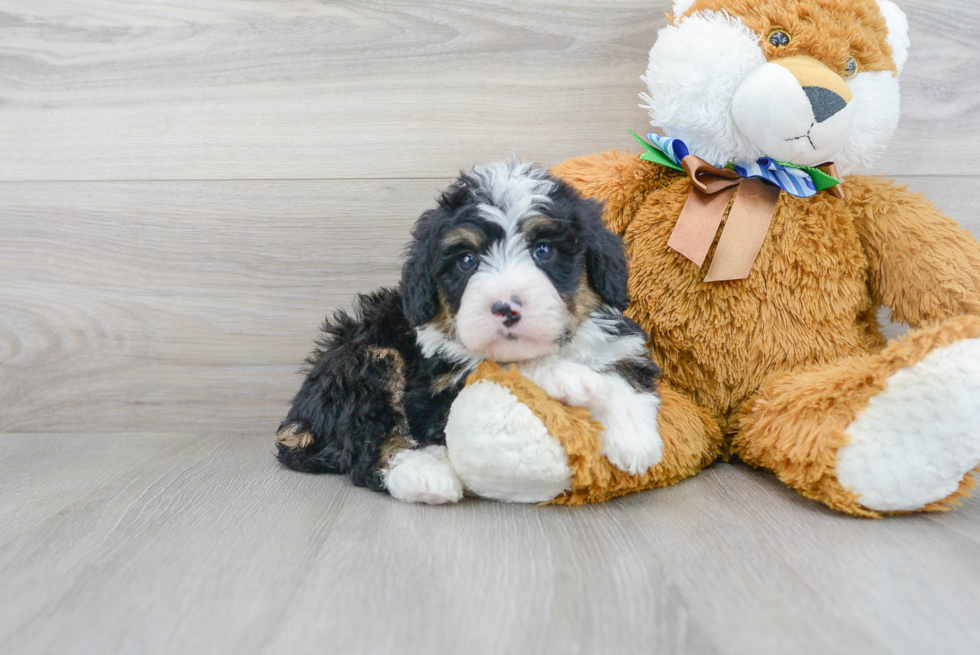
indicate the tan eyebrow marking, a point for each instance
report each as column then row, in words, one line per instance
column 467, row 235
column 536, row 222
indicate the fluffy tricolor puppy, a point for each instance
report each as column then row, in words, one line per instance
column 512, row 266
column 801, row 81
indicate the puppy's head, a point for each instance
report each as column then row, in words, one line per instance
column 508, row 265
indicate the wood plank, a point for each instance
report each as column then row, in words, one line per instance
column 203, row 544
column 179, row 303
column 191, row 305
column 180, row 89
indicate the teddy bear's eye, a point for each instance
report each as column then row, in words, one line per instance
column 850, row 68
column 779, row 38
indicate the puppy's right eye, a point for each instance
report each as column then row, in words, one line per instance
column 543, row 252
column 466, row 262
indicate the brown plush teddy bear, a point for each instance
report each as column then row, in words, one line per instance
column 769, row 323
column 759, row 261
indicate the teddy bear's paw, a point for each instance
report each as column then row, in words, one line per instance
column 630, row 440
column 502, row 450
column 423, row 476
column 916, row 440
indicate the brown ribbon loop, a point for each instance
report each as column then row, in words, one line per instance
column 708, row 178
column 698, row 223
column 746, row 228
column 745, row 231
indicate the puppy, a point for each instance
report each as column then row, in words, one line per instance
column 512, row 266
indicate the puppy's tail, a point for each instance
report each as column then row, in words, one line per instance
column 351, row 400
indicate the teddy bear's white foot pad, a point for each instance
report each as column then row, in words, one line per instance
column 423, row 476
column 914, row 442
column 501, row 450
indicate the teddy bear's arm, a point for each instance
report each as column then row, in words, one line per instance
column 922, row 264
column 620, row 181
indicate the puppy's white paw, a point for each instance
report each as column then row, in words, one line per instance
column 632, row 451
column 423, row 476
column 631, row 441
column 570, row 383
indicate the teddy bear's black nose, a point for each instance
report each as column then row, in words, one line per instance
column 825, row 102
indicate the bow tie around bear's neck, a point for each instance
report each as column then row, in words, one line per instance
column 748, row 220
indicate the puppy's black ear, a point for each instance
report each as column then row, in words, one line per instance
column 420, row 299
column 605, row 256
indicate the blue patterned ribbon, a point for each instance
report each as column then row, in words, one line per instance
column 799, row 181
column 675, row 149
column 793, row 181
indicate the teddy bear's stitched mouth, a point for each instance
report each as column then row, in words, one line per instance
column 805, row 136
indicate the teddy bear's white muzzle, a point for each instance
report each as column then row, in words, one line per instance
column 794, row 115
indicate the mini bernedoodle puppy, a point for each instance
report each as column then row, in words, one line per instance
column 512, row 266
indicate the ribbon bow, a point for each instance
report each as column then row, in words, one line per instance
column 758, row 184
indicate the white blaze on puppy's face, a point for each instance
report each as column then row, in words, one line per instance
column 510, row 310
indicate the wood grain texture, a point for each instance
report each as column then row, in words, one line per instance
column 191, row 305
column 190, row 187
column 203, row 544
column 164, row 305
column 183, row 89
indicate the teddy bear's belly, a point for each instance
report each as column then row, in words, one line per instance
column 805, row 303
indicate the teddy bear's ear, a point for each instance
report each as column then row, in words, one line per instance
column 680, row 6
column 898, row 32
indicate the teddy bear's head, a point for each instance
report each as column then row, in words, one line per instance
column 799, row 81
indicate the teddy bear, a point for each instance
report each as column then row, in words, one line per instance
column 759, row 260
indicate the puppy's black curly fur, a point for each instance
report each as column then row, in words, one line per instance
column 367, row 381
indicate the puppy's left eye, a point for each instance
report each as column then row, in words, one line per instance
column 850, row 68
column 466, row 262
column 543, row 252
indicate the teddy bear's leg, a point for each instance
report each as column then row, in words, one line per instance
column 630, row 439
column 886, row 433
column 501, row 448
column 691, row 441
column 509, row 440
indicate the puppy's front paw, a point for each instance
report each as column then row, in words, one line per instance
column 570, row 383
column 631, row 441
column 423, row 476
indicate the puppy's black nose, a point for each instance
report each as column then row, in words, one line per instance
column 506, row 312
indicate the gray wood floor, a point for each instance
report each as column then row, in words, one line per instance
column 183, row 543
column 188, row 186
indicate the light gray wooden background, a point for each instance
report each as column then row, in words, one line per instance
column 188, row 186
